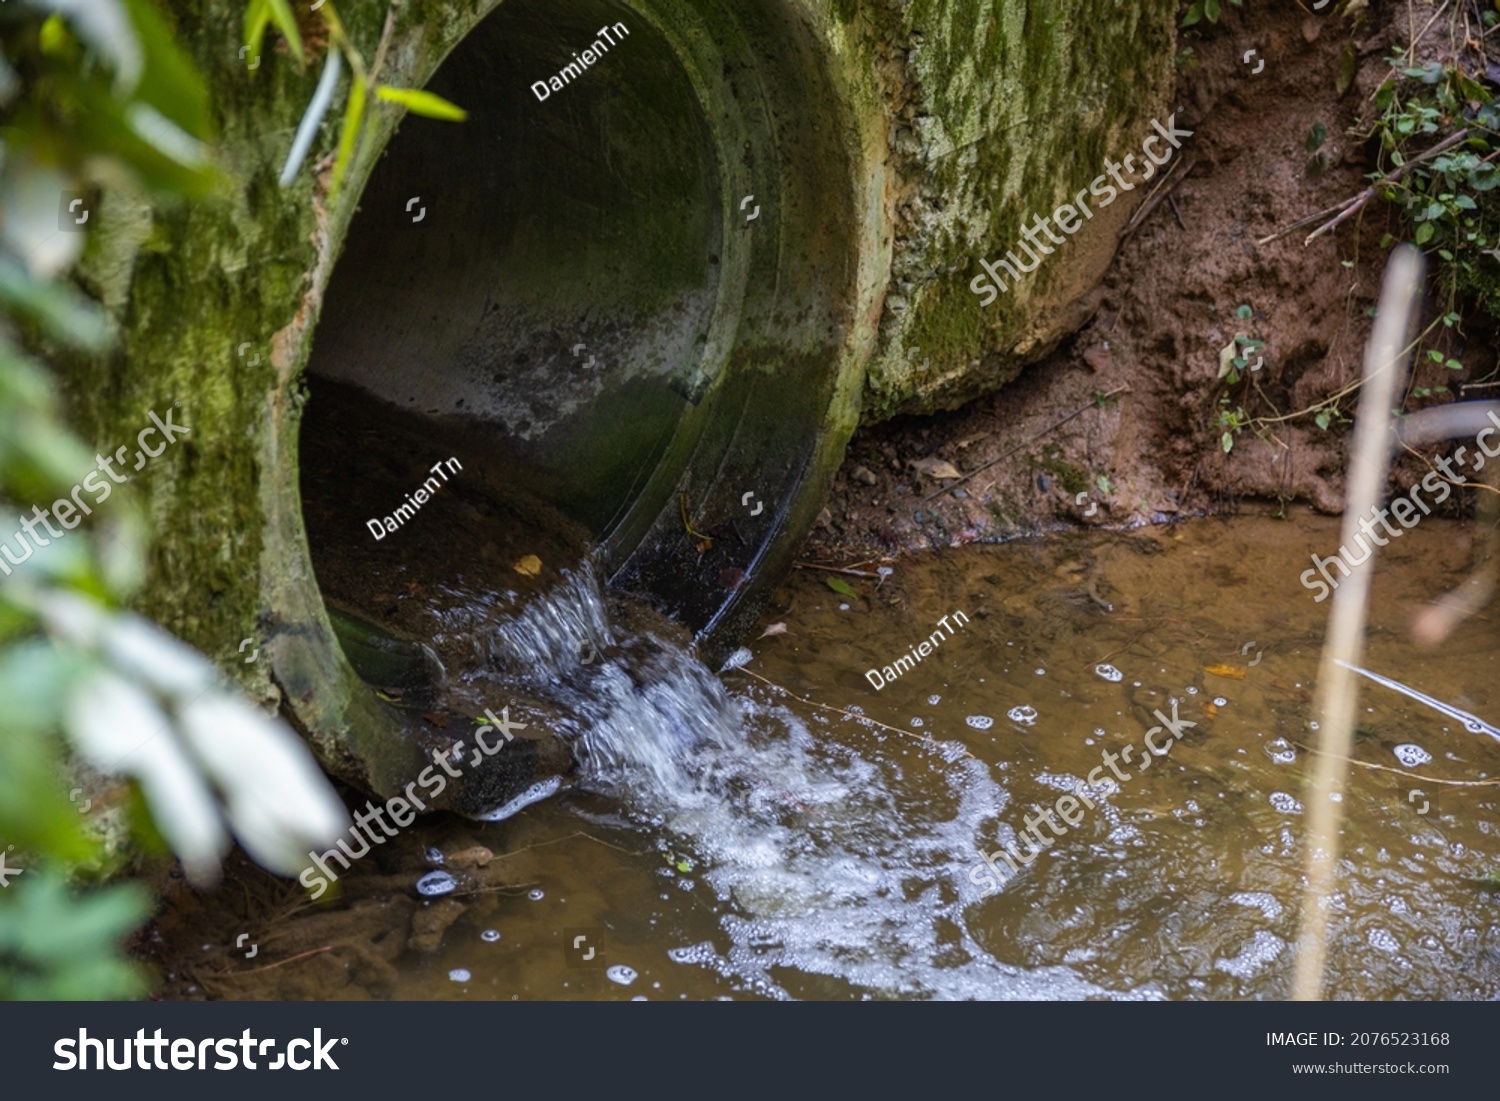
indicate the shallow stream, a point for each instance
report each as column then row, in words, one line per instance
column 727, row 839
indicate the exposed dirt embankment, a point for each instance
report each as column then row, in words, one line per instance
column 1268, row 148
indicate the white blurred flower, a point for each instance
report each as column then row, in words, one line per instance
column 278, row 801
column 136, row 646
column 30, row 196
column 119, row 728
column 222, row 758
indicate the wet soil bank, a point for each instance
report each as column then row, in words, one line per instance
column 1154, row 451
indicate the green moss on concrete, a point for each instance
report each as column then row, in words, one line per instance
column 1016, row 108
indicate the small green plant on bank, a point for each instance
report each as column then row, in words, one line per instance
column 1313, row 143
column 1238, row 360
column 1450, row 199
column 1200, row 10
column 1434, row 355
column 1073, row 479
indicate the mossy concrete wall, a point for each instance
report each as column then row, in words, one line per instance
column 996, row 111
column 958, row 118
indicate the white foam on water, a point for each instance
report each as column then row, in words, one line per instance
column 839, row 867
column 1412, row 755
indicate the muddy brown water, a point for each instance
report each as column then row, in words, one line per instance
column 813, row 854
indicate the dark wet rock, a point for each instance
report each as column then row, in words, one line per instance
column 430, row 922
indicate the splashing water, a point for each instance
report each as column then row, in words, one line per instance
column 824, row 862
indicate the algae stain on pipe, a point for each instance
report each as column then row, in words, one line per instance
column 574, row 69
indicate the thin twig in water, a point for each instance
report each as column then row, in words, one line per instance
column 1409, row 775
column 836, row 569
column 569, row 837
column 933, row 743
column 270, row 966
column 1095, row 404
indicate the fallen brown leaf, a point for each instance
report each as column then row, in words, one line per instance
column 530, row 566
column 1231, row 671
column 774, row 629
column 936, row 468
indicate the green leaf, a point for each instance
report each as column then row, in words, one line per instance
column 354, row 113
column 1211, row 9
column 422, row 103
column 286, row 23
column 1226, row 441
column 1348, row 66
column 1324, row 419
column 1194, row 13
column 170, row 82
column 842, row 587
column 67, row 946
column 1424, row 233
column 257, row 19
column 61, row 311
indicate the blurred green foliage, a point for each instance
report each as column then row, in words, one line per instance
column 87, row 91
column 95, row 95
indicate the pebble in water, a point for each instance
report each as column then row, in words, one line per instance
column 980, row 722
column 1024, row 714
column 459, row 974
column 434, row 884
column 1109, row 673
column 621, row 974
column 1412, row 755
column 490, row 935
